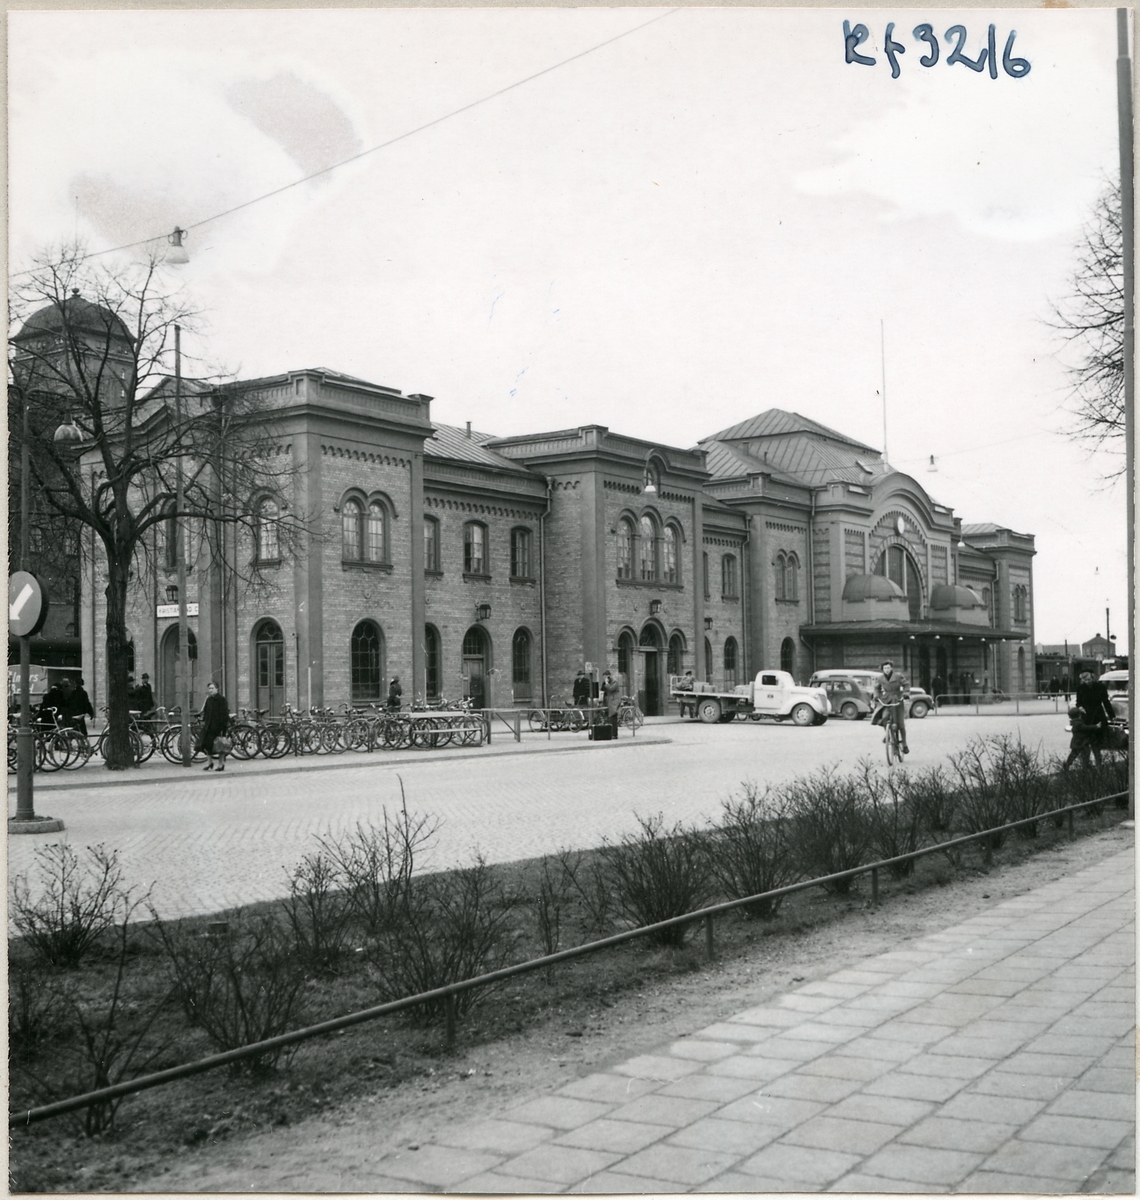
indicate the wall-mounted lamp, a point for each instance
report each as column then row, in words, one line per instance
column 482, row 612
column 172, row 593
column 654, row 607
column 938, row 637
column 708, row 622
column 961, row 544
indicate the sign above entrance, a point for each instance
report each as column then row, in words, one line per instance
column 171, row 610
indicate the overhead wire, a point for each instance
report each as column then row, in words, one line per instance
column 382, row 145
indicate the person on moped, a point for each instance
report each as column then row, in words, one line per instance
column 891, row 691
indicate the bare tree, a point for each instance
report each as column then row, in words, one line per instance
column 92, row 347
column 1091, row 319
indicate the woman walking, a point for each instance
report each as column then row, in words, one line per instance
column 215, row 725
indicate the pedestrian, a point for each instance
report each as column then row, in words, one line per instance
column 938, row 688
column 1092, row 699
column 79, row 707
column 215, row 726
column 394, row 694
column 54, row 705
column 611, row 697
column 1054, row 686
column 582, row 689
column 1086, row 738
column 686, row 704
column 144, row 696
column 1065, row 688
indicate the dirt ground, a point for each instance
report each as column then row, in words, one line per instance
column 324, row 1151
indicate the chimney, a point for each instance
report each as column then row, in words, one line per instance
column 468, row 428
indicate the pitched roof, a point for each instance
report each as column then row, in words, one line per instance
column 795, row 447
column 447, row 441
column 779, row 422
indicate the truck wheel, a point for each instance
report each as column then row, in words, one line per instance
column 850, row 711
column 803, row 714
column 709, row 711
column 727, row 718
column 919, row 709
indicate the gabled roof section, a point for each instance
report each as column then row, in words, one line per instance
column 795, row 449
column 449, row 442
column 778, row 422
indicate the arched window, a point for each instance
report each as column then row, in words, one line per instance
column 377, row 532
column 669, row 555
column 705, row 572
column 624, row 549
column 788, row 656
column 647, row 549
column 352, row 531
column 520, row 664
column 708, row 661
column 781, row 576
column 431, row 662
column 791, row 578
column 1021, row 684
column 729, row 587
column 676, row 662
column 988, row 601
column 366, row 662
column 729, row 664
column 474, row 548
column 521, row 565
column 1020, row 603
column 266, row 547
column 431, row 545
column 898, row 566
column 131, row 656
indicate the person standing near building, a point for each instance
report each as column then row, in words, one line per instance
column 144, row 696
column 611, row 698
column 215, row 724
column 581, row 689
column 79, row 708
column 395, row 691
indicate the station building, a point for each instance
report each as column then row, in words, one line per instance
column 495, row 567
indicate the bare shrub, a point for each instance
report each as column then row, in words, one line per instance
column 35, row 1012
column 377, row 863
column 449, row 928
column 658, row 873
column 1075, row 786
column 240, row 986
column 1020, row 775
column 831, row 830
column 113, row 1041
column 982, row 803
column 587, row 878
column 753, row 848
column 553, row 896
column 894, row 819
column 932, row 794
column 75, row 904
column 318, row 912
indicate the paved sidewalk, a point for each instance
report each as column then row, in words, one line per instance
column 995, row 1056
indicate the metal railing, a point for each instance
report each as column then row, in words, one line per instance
column 448, row 993
column 980, row 701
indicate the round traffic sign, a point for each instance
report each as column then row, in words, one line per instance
column 27, row 604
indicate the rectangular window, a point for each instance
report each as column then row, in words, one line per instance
column 520, row 554
column 728, row 577
column 474, row 549
column 705, row 565
column 431, row 544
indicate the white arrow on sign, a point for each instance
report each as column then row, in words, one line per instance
column 17, row 605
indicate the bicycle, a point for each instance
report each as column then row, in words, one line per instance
column 892, row 739
column 629, row 715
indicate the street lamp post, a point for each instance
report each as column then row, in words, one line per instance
column 25, row 803
column 180, row 551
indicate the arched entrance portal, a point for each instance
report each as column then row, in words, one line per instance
column 269, row 667
column 170, row 689
column 476, row 664
column 649, row 697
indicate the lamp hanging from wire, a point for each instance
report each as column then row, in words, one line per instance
column 177, row 255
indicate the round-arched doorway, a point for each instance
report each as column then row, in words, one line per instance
column 476, row 664
column 649, row 695
column 269, row 668
column 788, row 656
column 169, row 688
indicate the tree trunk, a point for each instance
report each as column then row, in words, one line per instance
column 118, row 747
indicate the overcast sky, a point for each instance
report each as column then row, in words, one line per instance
column 700, row 220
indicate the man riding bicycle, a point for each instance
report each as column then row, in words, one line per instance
column 891, row 692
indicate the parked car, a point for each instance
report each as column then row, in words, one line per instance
column 850, row 693
column 1117, row 684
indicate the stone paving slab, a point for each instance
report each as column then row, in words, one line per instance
column 947, row 1089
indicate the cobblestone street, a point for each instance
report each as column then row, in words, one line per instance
column 209, row 842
